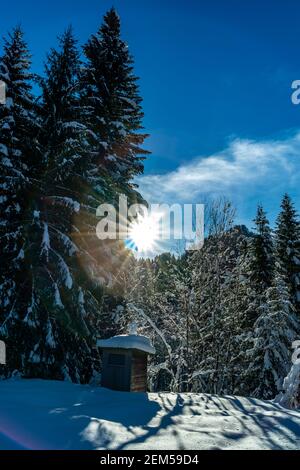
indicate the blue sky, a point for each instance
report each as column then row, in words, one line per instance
column 216, row 81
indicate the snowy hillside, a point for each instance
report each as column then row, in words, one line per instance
column 37, row 414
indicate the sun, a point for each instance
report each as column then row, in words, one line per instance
column 144, row 232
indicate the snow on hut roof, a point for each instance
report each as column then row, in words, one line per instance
column 142, row 343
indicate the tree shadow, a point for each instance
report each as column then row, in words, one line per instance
column 277, row 426
column 170, row 412
column 243, row 423
column 57, row 415
column 117, row 410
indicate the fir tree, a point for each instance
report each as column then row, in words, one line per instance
column 258, row 267
column 290, row 396
column 112, row 105
column 287, row 245
column 111, row 110
column 59, row 160
column 274, row 332
column 65, row 301
column 63, row 139
column 261, row 252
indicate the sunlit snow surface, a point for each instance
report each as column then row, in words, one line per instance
column 37, row 414
column 141, row 343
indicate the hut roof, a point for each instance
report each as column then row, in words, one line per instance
column 142, row 343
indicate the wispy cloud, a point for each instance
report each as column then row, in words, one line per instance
column 243, row 166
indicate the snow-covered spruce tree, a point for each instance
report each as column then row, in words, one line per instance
column 258, row 266
column 64, row 300
column 274, row 331
column 290, row 396
column 111, row 109
column 257, row 269
column 73, row 165
column 287, row 246
column 112, row 105
column 219, row 293
column 261, row 260
column 18, row 130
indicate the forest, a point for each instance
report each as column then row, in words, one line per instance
column 222, row 318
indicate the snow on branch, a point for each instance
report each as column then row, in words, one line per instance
column 64, row 270
column 63, row 201
column 141, row 312
column 45, row 247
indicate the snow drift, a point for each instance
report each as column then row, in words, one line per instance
column 40, row 414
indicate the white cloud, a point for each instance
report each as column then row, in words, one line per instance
column 242, row 166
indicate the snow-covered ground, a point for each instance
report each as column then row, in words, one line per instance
column 40, row 414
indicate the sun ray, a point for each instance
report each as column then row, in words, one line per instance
column 143, row 233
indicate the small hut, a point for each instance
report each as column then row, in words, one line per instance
column 124, row 362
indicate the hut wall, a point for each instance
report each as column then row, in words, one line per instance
column 116, row 367
column 138, row 371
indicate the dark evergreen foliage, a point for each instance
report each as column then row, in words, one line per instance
column 222, row 318
column 261, row 259
column 18, row 147
column 287, row 244
column 54, row 177
column 113, row 105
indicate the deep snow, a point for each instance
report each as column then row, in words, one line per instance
column 142, row 343
column 40, row 414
